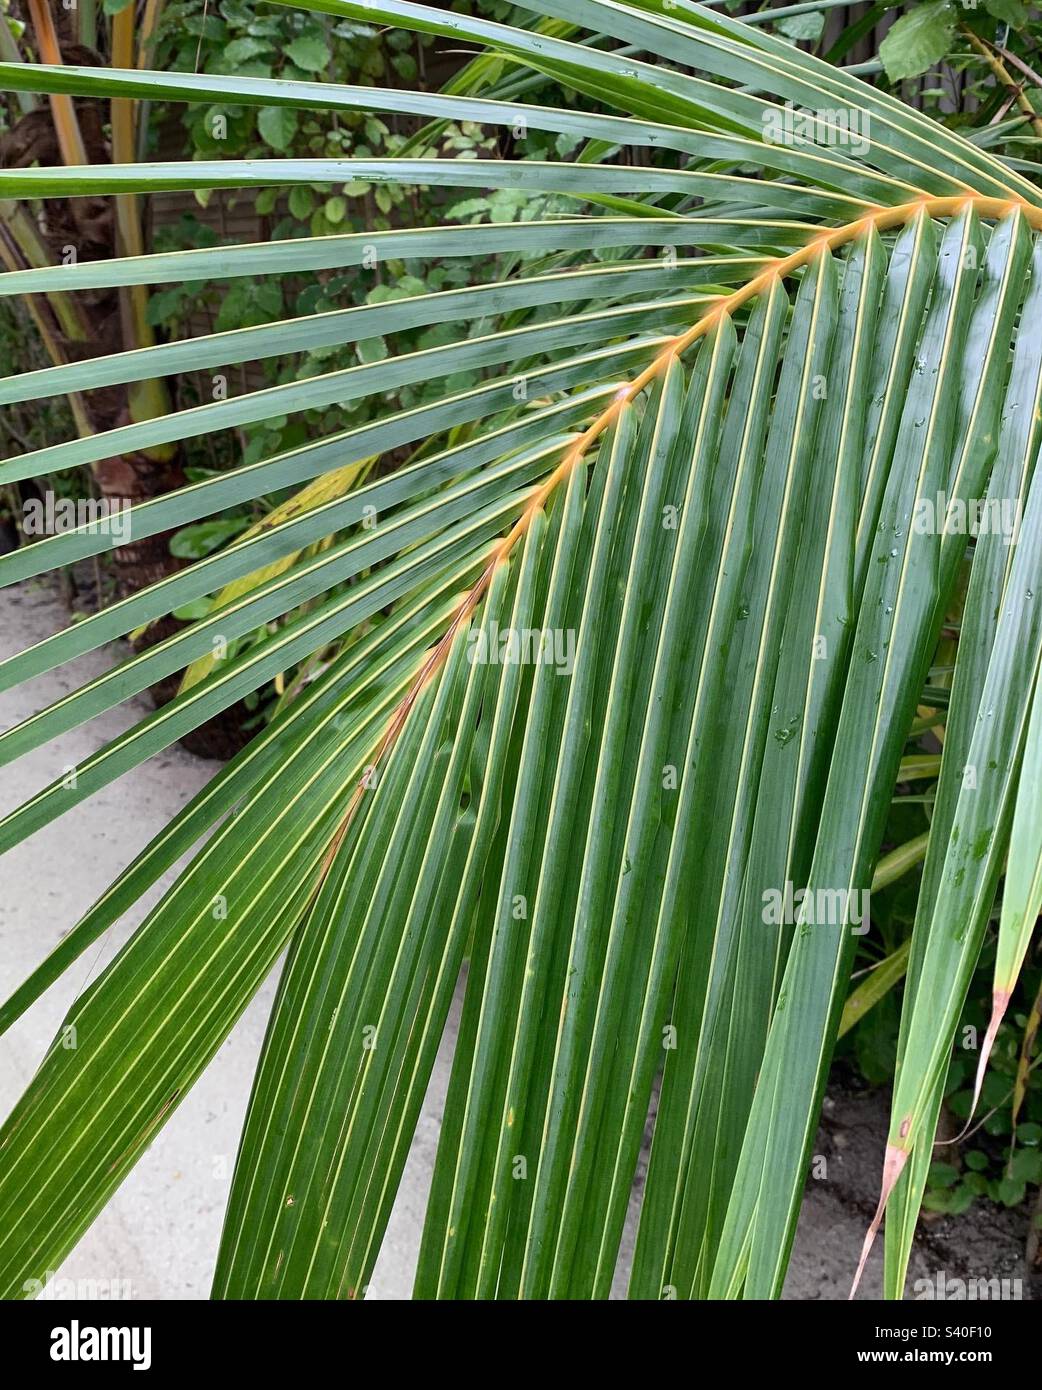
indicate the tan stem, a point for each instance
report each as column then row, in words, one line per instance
column 66, row 124
column 147, row 32
column 1005, row 77
column 1015, row 61
column 149, row 398
column 22, row 247
column 137, row 331
column 32, row 254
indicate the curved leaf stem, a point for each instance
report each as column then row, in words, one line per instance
column 878, row 219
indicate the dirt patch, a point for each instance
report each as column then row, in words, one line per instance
column 986, row 1242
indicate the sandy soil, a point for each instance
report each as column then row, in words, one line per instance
column 160, row 1233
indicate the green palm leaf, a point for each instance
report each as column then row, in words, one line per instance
column 629, row 648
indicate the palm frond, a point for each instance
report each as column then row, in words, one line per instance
column 632, row 645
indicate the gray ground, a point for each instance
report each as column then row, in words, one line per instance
column 160, row 1232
